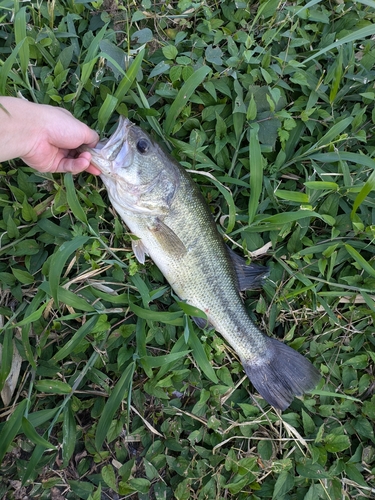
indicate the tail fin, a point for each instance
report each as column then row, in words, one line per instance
column 281, row 374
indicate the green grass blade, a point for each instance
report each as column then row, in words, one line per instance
column 30, row 318
column 142, row 102
column 77, row 338
column 73, row 202
column 179, row 346
column 45, row 54
column 227, row 195
column 69, row 434
column 113, row 62
column 369, row 3
column 369, row 301
column 130, row 76
column 307, row 6
column 88, row 64
column 294, row 196
column 256, row 172
column 361, row 159
column 122, row 387
column 106, row 110
column 67, row 297
column 321, row 185
column 199, row 353
column 49, row 386
column 333, row 133
column 91, row 56
column 364, row 192
column 40, row 417
column 20, row 35
column 6, row 357
column 352, row 37
column 12, row 427
column 142, row 288
column 33, row 462
column 183, row 96
column 7, row 66
column 34, row 437
column 170, row 318
column 72, row 31
column 360, row 260
column 334, row 395
column 337, row 79
column 58, row 262
column 159, row 361
column 140, row 336
column 286, row 217
column 32, row 313
column 191, row 310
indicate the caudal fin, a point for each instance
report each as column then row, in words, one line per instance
column 281, row 374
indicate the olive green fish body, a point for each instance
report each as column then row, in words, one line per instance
column 201, row 273
column 164, row 209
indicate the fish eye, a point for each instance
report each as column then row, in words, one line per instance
column 143, row 146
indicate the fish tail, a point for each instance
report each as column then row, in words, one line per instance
column 281, row 374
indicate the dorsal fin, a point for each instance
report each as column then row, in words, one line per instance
column 249, row 276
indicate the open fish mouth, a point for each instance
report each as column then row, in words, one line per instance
column 113, row 153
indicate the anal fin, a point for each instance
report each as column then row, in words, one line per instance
column 249, row 276
column 202, row 323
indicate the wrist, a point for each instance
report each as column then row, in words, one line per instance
column 17, row 127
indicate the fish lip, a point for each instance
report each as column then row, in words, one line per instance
column 106, row 152
column 113, row 145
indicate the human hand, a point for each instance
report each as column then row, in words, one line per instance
column 44, row 137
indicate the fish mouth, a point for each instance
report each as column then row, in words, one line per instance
column 113, row 153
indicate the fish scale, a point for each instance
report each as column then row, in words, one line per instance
column 165, row 210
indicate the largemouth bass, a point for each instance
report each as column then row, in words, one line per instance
column 163, row 207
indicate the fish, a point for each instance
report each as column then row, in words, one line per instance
column 171, row 222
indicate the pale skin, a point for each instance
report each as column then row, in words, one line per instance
column 44, row 137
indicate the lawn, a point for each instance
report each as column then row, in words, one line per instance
column 108, row 391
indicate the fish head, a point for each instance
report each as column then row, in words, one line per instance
column 138, row 175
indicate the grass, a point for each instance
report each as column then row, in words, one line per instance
column 113, row 393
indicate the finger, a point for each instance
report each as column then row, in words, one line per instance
column 71, row 133
column 73, row 165
column 91, row 138
column 91, row 169
column 77, row 165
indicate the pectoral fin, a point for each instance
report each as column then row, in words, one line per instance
column 139, row 251
column 249, row 276
column 168, row 239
